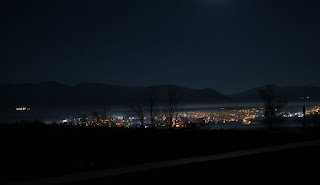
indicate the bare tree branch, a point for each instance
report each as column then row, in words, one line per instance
column 151, row 99
column 138, row 107
column 272, row 104
column 105, row 109
column 172, row 105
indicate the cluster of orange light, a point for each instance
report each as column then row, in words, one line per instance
column 22, row 108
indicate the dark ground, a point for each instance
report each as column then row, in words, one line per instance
column 296, row 165
column 33, row 151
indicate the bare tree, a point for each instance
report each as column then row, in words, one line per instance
column 160, row 113
column 272, row 105
column 138, row 107
column 83, row 118
column 105, row 108
column 151, row 99
column 95, row 118
column 172, row 105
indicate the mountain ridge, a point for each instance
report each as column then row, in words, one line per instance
column 86, row 93
column 54, row 93
column 291, row 93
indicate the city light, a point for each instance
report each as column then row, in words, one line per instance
column 23, row 109
column 244, row 116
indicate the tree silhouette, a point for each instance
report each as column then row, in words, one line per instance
column 151, row 99
column 105, row 109
column 95, row 118
column 83, row 119
column 272, row 105
column 138, row 107
column 172, row 105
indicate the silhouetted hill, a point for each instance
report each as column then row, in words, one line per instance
column 56, row 94
column 292, row 93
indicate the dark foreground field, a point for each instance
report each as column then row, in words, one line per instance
column 288, row 166
column 37, row 151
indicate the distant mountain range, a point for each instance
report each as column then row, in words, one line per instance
column 291, row 93
column 57, row 94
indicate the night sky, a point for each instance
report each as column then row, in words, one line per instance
column 226, row 45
